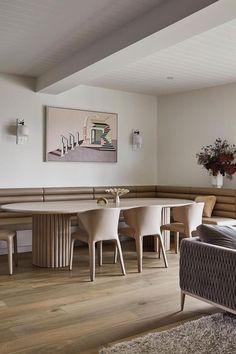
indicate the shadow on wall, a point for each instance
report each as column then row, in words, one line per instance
column 21, row 81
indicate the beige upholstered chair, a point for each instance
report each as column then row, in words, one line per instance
column 186, row 220
column 10, row 238
column 98, row 225
column 143, row 221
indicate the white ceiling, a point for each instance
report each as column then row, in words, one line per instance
column 208, row 59
column 36, row 35
column 131, row 45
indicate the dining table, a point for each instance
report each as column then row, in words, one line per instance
column 51, row 224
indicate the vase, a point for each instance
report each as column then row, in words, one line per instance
column 117, row 199
column 217, row 181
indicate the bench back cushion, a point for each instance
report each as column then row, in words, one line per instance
column 209, row 203
column 67, row 193
column 18, row 195
column 225, row 198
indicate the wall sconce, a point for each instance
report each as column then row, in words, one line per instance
column 22, row 131
column 137, row 140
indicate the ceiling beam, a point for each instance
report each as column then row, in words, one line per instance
column 166, row 25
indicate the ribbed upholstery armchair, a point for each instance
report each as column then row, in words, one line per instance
column 208, row 272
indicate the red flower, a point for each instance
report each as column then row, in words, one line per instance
column 218, row 158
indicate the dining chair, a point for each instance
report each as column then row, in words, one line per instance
column 10, row 238
column 97, row 226
column 143, row 221
column 186, row 220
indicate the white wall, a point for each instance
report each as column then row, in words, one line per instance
column 188, row 121
column 24, row 166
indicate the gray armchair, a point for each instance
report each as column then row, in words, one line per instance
column 208, row 272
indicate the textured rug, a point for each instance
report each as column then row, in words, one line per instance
column 215, row 334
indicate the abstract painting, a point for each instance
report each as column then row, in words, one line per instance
column 74, row 135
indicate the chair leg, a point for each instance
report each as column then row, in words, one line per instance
column 176, row 235
column 118, row 247
column 71, row 253
column 163, row 250
column 159, row 248
column 15, row 251
column 10, row 250
column 92, row 260
column 100, row 253
column 115, row 254
column 182, row 300
column 139, row 250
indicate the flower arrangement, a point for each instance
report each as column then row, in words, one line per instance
column 117, row 192
column 218, row 158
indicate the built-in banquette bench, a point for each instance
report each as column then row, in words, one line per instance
column 223, row 213
column 19, row 221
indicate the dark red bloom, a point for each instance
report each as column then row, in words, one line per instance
column 218, row 158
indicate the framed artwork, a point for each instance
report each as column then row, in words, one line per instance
column 74, row 135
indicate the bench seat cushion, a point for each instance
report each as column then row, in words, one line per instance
column 218, row 220
column 20, row 223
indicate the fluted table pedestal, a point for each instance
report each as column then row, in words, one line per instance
column 51, row 240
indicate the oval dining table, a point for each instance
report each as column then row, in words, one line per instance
column 51, row 224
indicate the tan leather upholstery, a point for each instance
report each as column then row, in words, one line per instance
column 224, row 212
column 143, row 221
column 97, row 226
column 68, row 193
column 209, row 203
column 18, row 221
column 188, row 218
column 225, row 201
column 218, row 220
column 146, row 192
column 100, row 192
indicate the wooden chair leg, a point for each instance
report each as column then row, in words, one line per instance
column 159, row 248
column 92, row 260
column 71, row 253
column 163, row 250
column 10, row 251
column 139, row 250
column 118, row 247
column 15, row 251
column 115, row 254
column 182, row 300
column 156, row 244
column 100, row 253
column 176, row 236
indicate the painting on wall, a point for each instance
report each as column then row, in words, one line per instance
column 74, row 135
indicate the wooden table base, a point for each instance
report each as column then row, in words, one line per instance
column 51, row 240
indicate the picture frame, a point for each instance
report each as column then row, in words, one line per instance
column 76, row 135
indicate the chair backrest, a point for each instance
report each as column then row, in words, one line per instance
column 144, row 220
column 190, row 216
column 100, row 224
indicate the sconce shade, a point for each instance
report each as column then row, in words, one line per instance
column 22, row 130
column 137, row 140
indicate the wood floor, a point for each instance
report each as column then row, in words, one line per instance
column 56, row 311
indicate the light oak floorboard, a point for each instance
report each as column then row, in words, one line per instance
column 57, row 311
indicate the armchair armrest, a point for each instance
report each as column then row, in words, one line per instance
column 209, row 272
